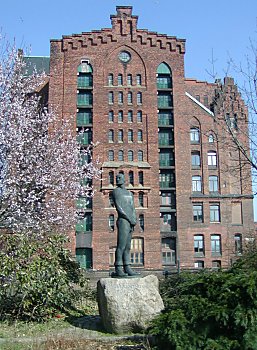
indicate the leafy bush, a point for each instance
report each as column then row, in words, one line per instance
column 210, row 310
column 38, row 277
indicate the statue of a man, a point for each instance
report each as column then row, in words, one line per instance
column 124, row 203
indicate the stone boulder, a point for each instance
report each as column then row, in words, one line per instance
column 128, row 304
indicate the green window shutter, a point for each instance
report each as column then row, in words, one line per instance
column 84, row 257
column 84, row 118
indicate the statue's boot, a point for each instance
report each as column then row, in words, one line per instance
column 129, row 271
column 119, row 271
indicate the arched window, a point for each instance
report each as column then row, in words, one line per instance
column 139, row 98
column 130, row 135
column 131, row 178
column 111, row 117
column 111, row 155
column 141, row 221
column 140, row 136
column 140, row 156
column 111, row 202
column 111, row 222
column 139, row 117
column 130, row 98
column 120, row 135
column 130, row 156
column 141, row 178
column 139, row 79
column 120, row 79
column 111, row 177
column 141, row 199
column 111, row 136
column 110, row 79
column 129, row 79
column 120, row 156
column 120, row 97
column 130, row 116
column 211, row 138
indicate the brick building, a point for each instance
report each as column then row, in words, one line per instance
column 125, row 88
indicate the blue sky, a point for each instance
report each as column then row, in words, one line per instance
column 223, row 27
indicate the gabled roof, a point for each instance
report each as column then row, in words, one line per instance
column 40, row 63
column 200, row 104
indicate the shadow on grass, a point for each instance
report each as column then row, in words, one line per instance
column 89, row 322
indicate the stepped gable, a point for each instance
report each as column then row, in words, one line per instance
column 124, row 24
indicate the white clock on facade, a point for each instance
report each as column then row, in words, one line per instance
column 124, row 56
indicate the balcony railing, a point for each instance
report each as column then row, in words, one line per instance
column 167, row 121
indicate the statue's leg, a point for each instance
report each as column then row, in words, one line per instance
column 126, row 256
column 123, row 231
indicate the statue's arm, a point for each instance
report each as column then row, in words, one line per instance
column 118, row 205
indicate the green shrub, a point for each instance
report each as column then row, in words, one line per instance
column 210, row 310
column 38, row 277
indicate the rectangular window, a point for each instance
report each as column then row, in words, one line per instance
column 215, row 245
column 196, row 184
column 163, row 82
column 195, row 159
column 198, row 212
column 166, row 179
column 194, row 135
column 199, row 264
column 84, row 117
column 85, row 80
column 165, row 138
column 213, row 184
column 168, row 251
column 168, row 222
column 165, row 118
column 214, row 212
column 84, row 224
column 166, row 158
column 84, row 98
column 164, row 100
column 199, row 245
column 166, row 198
column 137, row 251
column 212, row 159
column 238, row 244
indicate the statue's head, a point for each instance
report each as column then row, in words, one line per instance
column 120, row 179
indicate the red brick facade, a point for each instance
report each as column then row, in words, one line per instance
column 152, row 83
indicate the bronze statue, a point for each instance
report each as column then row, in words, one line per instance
column 124, row 204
